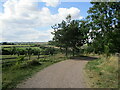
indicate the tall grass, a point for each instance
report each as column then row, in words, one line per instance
column 103, row 72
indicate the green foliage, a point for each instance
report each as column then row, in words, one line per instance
column 33, row 62
column 5, row 52
column 13, row 50
column 21, row 58
column 48, row 51
column 104, row 23
column 29, row 52
column 106, row 50
column 70, row 34
column 88, row 49
column 37, row 52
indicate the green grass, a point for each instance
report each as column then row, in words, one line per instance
column 103, row 72
column 13, row 75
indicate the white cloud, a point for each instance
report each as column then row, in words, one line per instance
column 52, row 3
column 21, row 34
column 74, row 12
column 21, row 18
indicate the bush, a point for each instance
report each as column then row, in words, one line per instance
column 49, row 51
column 33, row 62
column 26, row 64
column 21, row 58
column 22, row 52
column 8, row 64
column 5, row 52
column 36, row 51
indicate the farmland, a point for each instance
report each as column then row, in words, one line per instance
column 19, row 66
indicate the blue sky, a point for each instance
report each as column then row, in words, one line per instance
column 83, row 6
column 34, row 24
column 1, row 6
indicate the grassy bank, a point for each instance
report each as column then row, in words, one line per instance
column 103, row 72
column 12, row 75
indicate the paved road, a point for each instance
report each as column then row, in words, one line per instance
column 65, row 74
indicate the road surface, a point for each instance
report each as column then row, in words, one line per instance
column 65, row 74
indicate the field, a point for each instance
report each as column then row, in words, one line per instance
column 16, row 68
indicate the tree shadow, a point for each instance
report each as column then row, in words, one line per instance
column 86, row 58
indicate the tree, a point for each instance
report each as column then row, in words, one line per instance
column 78, row 30
column 71, row 34
column 18, row 51
column 5, row 52
column 13, row 50
column 104, row 25
column 59, row 35
column 37, row 52
column 22, row 52
column 29, row 52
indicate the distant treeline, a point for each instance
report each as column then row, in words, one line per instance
column 22, row 43
column 7, row 43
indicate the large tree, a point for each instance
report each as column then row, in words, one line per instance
column 105, row 26
column 70, row 33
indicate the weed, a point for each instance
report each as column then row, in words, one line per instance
column 104, row 72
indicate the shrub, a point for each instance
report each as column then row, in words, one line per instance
column 26, row 64
column 33, row 62
column 49, row 51
column 5, row 52
column 21, row 58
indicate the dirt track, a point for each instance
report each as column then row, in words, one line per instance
column 65, row 74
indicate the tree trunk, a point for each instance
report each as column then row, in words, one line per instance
column 18, row 55
column 38, row 56
column 29, row 57
column 66, row 51
column 61, row 50
column 73, row 52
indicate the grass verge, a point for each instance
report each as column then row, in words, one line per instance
column 13, row 75
column 103, row 72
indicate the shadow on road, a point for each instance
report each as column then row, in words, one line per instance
column 87, row 58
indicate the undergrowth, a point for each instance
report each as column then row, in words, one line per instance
column 103, row 72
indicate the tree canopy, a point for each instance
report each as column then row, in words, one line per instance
column 70, row 33
column 105, row 26
column 100, row 30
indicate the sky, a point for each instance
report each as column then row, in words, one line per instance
column 28, row 21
